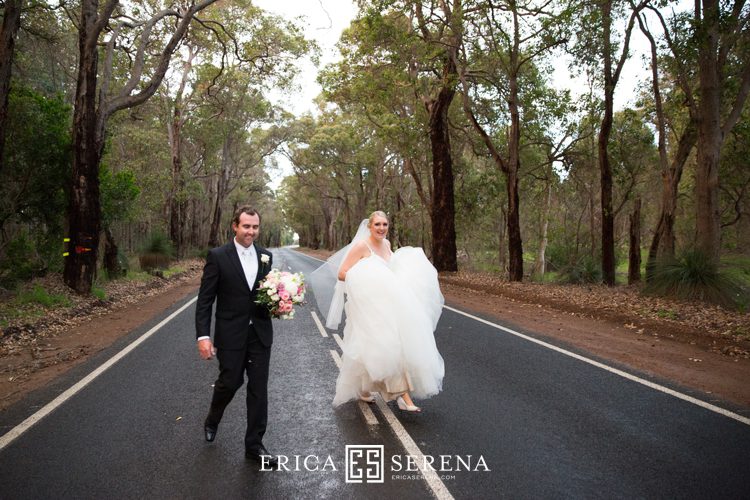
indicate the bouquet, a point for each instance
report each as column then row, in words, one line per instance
column 280, row 291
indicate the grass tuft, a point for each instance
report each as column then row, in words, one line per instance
column 693, row 276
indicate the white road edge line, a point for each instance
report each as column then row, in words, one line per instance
column 652, row 385
column 366, row 411
column 430, row 476
column 12, row 434
column 319, row 324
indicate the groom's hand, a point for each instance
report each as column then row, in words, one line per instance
column 206, row 348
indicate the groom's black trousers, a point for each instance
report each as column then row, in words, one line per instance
column 233, row 364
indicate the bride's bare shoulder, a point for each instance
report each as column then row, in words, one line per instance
column 360, row 248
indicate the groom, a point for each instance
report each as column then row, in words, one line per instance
column 243, row 332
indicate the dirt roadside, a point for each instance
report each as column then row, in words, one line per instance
column 26, row 364
column 713, row 364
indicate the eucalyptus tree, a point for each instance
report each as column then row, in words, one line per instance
column 716, row 36
column 11, row 10
column 240, row 38
column 602, row 47
column 245, row 131
column 373, row 80
column 735, row 187
column 418, row 38
column 30, row 30
column 301, row 207
column 503, row 44
column 37, row 165
column 633, row 156
column 672, row 137
column 137, row 30
column 339, row 158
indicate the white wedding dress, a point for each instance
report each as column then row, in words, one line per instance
column 392, row 308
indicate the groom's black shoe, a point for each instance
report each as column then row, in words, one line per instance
column 210, row 432
column 263, row 457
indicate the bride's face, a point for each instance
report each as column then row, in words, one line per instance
column 379, row 227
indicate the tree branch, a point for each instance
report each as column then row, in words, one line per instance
column 123, row 100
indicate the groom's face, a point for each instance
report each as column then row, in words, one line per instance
column 247, row 230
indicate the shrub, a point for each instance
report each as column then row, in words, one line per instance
column 157, row 253
column 199, row 253
column 558, row 256
column 20, row 261
column 585, row 270
column 694, row 276
column 158, row 243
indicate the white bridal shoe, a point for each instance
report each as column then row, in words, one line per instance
column 367, row 399
column 405, row 407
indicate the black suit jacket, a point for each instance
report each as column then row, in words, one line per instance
column 224, row 281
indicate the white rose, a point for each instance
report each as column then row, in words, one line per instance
column 264, row 258
column 290, row 285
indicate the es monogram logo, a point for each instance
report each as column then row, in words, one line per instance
column 364, row 463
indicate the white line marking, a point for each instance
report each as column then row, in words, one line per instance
column 336, row 358
column 370, row 417
column 12, row 434
column 338, row 340
column 430, row 476
column 652, row 385
column 319, row 324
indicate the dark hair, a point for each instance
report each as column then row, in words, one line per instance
column 244, row 209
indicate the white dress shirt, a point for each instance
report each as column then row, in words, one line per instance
column 249, row 261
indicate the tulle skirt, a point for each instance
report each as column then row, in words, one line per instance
column 392, row 309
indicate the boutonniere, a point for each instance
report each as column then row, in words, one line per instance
column 264, row 258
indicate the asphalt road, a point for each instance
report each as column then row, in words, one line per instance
column 515, row 420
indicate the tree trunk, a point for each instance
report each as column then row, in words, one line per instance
column 213, row 233
column 8, row 32
column 708, row 216
column 663, row 243
column 515, row 245
column 221, row 188
column 111, row 262
column 634, row 256
column 502, row 252
column 539, row 265
column 84, row 212
column 89, row 124
column 605, row 170
column 592, row 226
column 443, row 211
column 175, row 214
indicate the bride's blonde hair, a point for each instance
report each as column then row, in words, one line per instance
column 376, row 213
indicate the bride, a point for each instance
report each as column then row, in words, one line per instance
column 393, row 303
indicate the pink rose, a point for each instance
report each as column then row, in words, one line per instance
column 284, row 295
